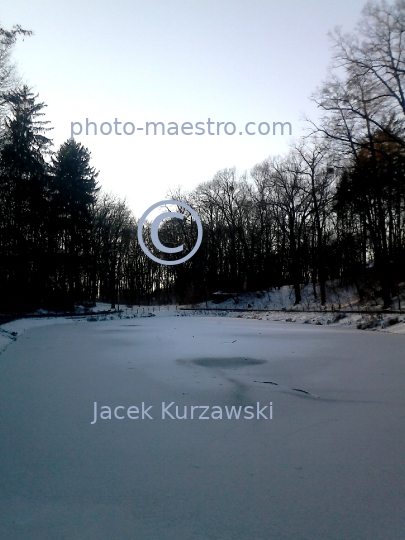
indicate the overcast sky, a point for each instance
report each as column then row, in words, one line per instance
column 175, row 61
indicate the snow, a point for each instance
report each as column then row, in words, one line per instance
column 274, row 305
column 328, row 465
column 278, row 305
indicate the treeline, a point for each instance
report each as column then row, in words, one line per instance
column 332, row 208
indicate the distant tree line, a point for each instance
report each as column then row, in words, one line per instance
column 332, row 208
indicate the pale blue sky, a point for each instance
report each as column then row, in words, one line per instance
column 175, row 61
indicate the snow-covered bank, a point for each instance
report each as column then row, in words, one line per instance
column 337, row 297
column 6, row 337
column 343, row 308
column 383, row 322
column 274, row 305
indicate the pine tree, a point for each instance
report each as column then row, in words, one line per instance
column 74, row 188
column 23, row 199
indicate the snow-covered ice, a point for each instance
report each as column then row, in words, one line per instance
column 328, row 465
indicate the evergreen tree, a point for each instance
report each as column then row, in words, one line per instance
column 73, row 191
column 23, row 199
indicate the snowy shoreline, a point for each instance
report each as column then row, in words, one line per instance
column 387, row 323
column 343, row 309
column 362, row 321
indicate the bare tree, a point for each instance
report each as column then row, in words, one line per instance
column 318, row 178
column 113, row 228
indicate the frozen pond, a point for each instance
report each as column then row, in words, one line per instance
column 320, row 458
